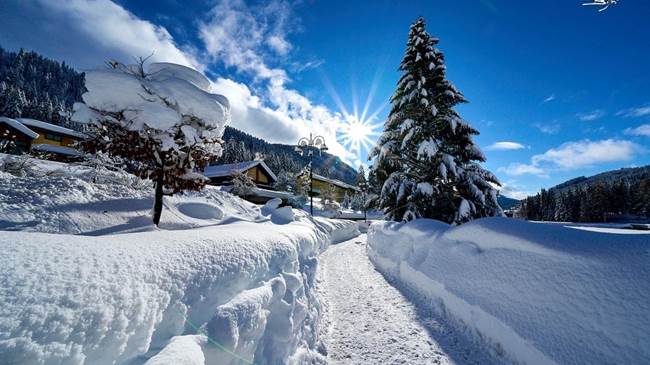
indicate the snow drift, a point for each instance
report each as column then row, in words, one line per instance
column 539, row 294
column 87, row 279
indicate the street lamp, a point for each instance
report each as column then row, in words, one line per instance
column 311, row 143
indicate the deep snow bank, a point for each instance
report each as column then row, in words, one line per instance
column 86, row 279
column 540, row 294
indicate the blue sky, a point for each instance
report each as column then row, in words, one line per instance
column 557, row 89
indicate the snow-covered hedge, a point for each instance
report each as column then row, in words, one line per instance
column 87, row 279
column 540, row 294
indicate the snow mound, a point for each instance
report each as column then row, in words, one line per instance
column 282, row 215
column 77, row 198
column 217, row 283
column 539, row 294
column 200, row 210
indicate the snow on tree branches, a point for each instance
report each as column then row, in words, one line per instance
column 242, row 184
column 426, row 163
column 164, row 119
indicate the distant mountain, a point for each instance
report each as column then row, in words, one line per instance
column 618, row 195
column 625, row 175
column 240, row 146
column 507, row 203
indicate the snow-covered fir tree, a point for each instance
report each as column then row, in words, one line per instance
column 164, row 119
column 426, row 161
column 328, row 198
column 242, row 184
column 347, row 201
column 286, row 181
column 302, row 186
column 359, row 200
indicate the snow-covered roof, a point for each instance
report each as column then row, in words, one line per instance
column 272, row 193
column 338, row 183
column 61, row 150
column 228, row 169
column 50, row 127
column 18, row 126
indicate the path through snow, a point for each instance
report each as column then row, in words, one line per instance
column 370, row 322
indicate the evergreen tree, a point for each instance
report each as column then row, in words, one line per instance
column 303, row 185
column 286, row 181
column 360, row 180
column 242, row 184
column 328, row 198
column 426, row 161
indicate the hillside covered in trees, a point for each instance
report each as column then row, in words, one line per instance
column 240, row 146
column 32, row 86
column 609, row 196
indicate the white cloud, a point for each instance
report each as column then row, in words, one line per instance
column 505, row 146
column 642, row 130
column 576, row 155
column 548, row 128
column 244, row 38
column 105, row 28
column 517, row 169
column 635, row 112
column 279, row 45
column 511, row 190
column 591, row 116
column 549, row 98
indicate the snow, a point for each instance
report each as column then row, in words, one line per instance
column 228, row 169
column 427, row 148
column 534, row 293
column 19, row 127
column 51, row 127
column 425, row 188
column 160, row 101
column 42, row 147
column 87, row 279
column 368, row 321
column 181, row 350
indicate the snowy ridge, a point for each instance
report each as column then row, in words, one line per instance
column 87, row 279
column 535, row 293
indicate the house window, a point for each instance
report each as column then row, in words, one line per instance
column 52, row 137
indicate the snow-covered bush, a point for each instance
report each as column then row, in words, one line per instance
column 242, row 184
column 286, row 181
column 164, row 118
column 302, row 185
column 328, row 198
column 15, row 165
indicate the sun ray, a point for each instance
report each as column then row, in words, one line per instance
column 371, row 93
column 357, row 132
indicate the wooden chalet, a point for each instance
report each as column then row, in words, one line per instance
column 257, row 170
column 340, row 188
column 42, row 137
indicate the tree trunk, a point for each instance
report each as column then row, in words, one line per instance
column 158, row 199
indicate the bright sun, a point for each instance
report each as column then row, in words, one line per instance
column 357, row 130
column 356, row 134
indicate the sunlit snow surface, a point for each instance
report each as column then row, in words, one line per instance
column 87, row 279
column 536, row 293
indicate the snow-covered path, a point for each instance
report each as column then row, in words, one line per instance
column 370, row 322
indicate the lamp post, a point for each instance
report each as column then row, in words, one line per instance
column 311, row 143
